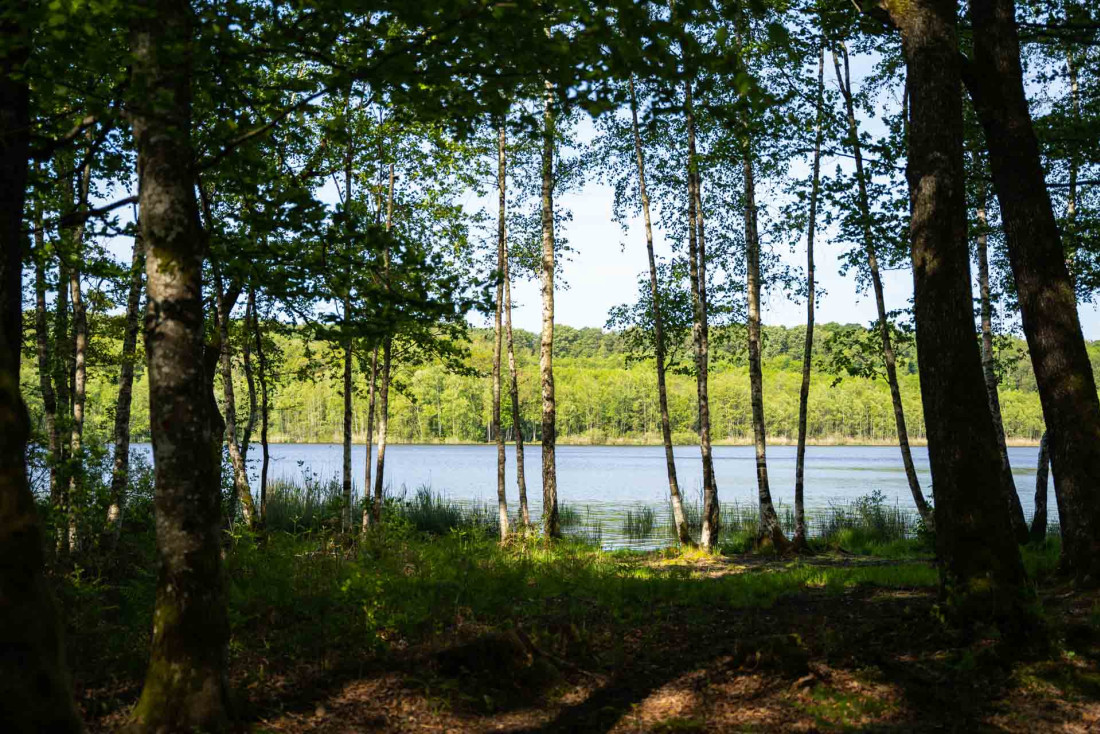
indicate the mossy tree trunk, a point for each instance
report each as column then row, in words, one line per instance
column 186, row 687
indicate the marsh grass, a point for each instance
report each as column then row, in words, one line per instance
column 640, row 523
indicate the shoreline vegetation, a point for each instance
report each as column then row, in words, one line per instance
column 648, row 441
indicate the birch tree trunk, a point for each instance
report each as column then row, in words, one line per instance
column 261, row 358
column 249, row 376
column 989, row 372
column 980, row 562
column 502, row 499
column 120, row 473
column 889, row 357
column 679, row 520
column 550, row 522
column 35, row 694
column 80, row 364
column 800, row 543
column 225, row 304
column 186, row 686
column 346, row 455
column 1048, row 305
column 367, row 486
column 387, row 366
column 698, row 272
column 513, row 389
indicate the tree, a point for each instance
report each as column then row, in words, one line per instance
column 1048, row 305
column 186, row 684
column 35, row 693
column 981, row 567
column 502, row 500
column 550, row 521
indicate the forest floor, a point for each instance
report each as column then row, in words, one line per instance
column 457, row 634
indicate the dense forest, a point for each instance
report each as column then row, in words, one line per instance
column 231, row 222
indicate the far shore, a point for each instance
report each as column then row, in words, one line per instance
column 651, row 441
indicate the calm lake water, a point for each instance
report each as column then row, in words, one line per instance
column 603, row 482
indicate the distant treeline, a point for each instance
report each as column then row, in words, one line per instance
column 605, row 394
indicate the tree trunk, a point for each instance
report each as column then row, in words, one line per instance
column 889, row 357
column 1048, row 308
column 35, row 693
column 62, row 372
column 225, row 304
column 186, row 685
column 770, row 531
column 1015, row 509
column 502, row 499
column 249, row 376
column 347, row 424
column 1038, row 531
column 679, row 519
column 800, row 543
column 383, row 429
column 120, row 473
column 513, row 389
column 980, row 561
column 80, row 363
column 367, row 503
column 550, row 523
column 699, row 332
column 42, row 344
column 261, row 358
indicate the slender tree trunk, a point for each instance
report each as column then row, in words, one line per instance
column 1038, row 531
column 367, row 503
column 249, row 376
column 1067, row 388
column 888, row 354
column 35, row 694
column 225, row 304
column 1015, row 509
column 80, row 364
column 502, row 499
column 698, row 272
column 261, row 358
column 347, row 424
column 186, row 686
column 980, row 561
column 800, row 543
column 62, row 372
column 550, row 523
column 770, row 530
column 120, row 474
column 42, row 344
column 383, row 429
column 679, row 519
column 513, row 389
column 387, row 366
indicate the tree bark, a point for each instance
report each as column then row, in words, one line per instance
column 1048, row 308
column 225, row 304
column 120, row 473
column 889, row 357
column 186, row 685
column 1038, row 531
column 989, row 372
column 770, row 531
column 347, row 423
column 502, row 499
column 980, row 562
column 679, row 519
column 513, row 389
column 249, row 376
column 800, row 543
column 62, row 373
column 550, row 522
column 35, row 694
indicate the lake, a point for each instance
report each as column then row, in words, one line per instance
column 603, row 482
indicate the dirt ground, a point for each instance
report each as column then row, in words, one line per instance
column 867, row 659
